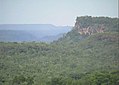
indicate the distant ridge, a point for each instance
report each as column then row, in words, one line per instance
column 38, row 31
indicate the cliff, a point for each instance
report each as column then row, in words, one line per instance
column 87, row 25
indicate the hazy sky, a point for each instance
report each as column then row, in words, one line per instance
column 57, row 12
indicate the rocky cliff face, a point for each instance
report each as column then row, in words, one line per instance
column 88, row 29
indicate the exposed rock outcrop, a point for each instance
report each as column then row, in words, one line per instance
column 88, row 29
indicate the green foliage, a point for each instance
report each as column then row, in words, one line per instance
column 61, row 63
column 94, row 78
column 21, row 80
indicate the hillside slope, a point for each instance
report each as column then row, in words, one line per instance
column 72, row 62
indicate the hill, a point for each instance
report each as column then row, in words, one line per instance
column 75, row 59
column 87, row 25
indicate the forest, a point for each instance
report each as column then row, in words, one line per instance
column 74, row 59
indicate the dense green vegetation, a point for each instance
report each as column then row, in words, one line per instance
column 72, row 60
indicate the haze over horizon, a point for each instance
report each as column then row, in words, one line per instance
column 56, row 12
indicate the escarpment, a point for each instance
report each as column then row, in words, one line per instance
column 87, row 25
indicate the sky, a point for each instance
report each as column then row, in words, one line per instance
column 56, row 12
